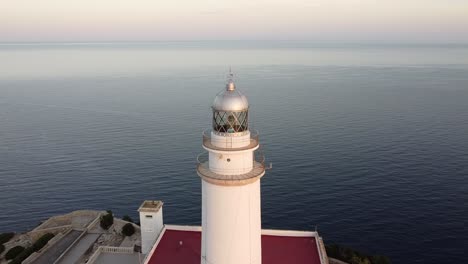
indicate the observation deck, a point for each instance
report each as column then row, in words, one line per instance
column 230, row 140
column 203, row 170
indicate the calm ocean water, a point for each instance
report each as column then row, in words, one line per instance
column 369, row 144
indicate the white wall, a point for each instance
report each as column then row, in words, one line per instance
column 231, row 163
column 231, row 224
column 231, row 140
column 151, row 224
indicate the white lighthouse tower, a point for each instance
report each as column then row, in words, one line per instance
column 230, row 173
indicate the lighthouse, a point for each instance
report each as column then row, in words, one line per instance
column 230, row 172
column 230, row 169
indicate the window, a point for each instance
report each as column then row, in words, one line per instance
column 230, row 122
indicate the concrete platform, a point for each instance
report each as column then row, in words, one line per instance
column 54, row 252
column 78, row 250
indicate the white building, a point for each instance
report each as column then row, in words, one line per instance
column 231, row 220
column 151, row 223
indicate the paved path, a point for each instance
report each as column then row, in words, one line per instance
column 52, row 253
column 75, row 253
column 118, row 258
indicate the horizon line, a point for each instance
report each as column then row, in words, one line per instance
column 262, row 41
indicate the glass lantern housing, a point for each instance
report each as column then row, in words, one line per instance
column 230, row 121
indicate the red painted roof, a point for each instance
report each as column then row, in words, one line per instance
column 275, row 249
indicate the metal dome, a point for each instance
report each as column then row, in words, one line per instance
column 230, row 100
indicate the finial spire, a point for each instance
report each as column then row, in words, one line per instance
column 230, row 86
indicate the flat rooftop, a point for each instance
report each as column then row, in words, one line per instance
column 277, row 247
column 150, row 206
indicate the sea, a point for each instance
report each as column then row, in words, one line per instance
column 368, row 142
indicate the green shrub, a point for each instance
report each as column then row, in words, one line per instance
column 127, row 218
column 22, row 256
column 5, row 237
column 107, row 220
column 128, row 229
column 13, row 252
column 2, row 248
column 42, row 241
column 354, row 257
column 359, row 260
column 380, row 260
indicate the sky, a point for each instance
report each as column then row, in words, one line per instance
column 420, row 21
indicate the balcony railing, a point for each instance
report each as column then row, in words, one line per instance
column 230, row 141
column 258, row 170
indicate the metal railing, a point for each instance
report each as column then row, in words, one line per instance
column 230, row 141
column 258, row 169
column 111, row 250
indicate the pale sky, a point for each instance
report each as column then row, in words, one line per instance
column 432, row 21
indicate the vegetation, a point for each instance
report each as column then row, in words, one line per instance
column 42, row 241
column 377, row 259
column 354, row 257
column 22, row 256
column 128, row 229
column 38, row 245
column 107, row 220
column 5, row 237
column 127, row 218
column 13, row 252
